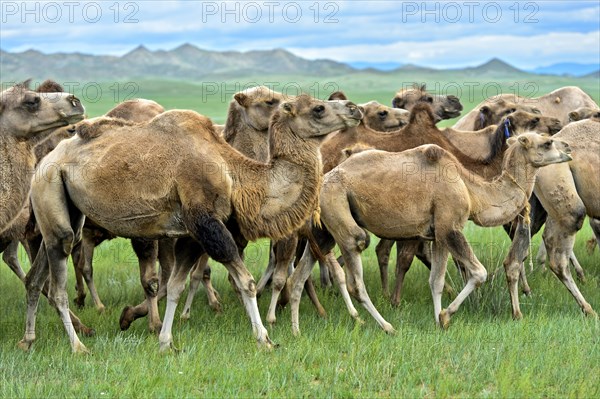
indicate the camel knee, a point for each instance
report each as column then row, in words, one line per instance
column 357, row 240
column 61, row 242
column 150, row 286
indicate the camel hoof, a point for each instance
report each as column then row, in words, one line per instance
column 267, row 345
column 167, row 347
column 517, row 315
column 359, row 321
column 155, row 329
column 527, row 292
column 444, row 319
column 81, row 350
column 322, row 313
column 589, row 312
column 581, row 278
column 25, row 345
column 295, row 330
column 185, row 316
column 85, row 331
column 101, row 308
column 126, row 318
column 216, row 307
column 389, row 329
column 79, row 302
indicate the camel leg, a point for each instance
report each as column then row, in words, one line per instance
column 166, row 260
column 351, row 250
column 437, row 277
column 340, row 278
column 147, row 253
column 324, row 275
column 460, row 249
column 284, row 256
column 77, row 258
column 560, row 241
column 219, row 244
column 383, row 249
column 61, row 233
column 405, row 252
column 541, row 256
column 201, row 274
column 577, row 266
column 295, row 284
column 187, row 253
column 268, row 275
column 309, row 287
column 513, row 263
column 10, row 256
column 87, row 255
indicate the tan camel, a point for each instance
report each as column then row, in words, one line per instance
column 26, row 118
column 442, row 197
column 568, row 192
column 129, row 180
column 584, row 113
column 383, row 119
column 558, row 104
column 444, row 107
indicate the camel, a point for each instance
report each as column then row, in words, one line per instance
column 383, row 119
column 485, row 162
column 368, row 193
column 444, row 107
column 568, row 192
column 129, row 180
column 558, row 104
column 584, row 113
column 26, row 118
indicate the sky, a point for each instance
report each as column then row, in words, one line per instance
column 441, row 34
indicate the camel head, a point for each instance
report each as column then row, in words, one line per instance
column 540, row 149
column 493, row 112
column 24, row 113
column 309, row 117
column 384, row 119
column 257, row 105
column 522, row 121
column 584, row 113
column 444, row 107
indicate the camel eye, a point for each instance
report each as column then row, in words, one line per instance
column 32, row 103
column 382, row 114
column 319, row 110
column 270, row 103
column 535, row 121
column 429, row 99
column 547, row 145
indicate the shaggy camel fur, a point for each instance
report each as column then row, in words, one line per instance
column 568, row 192
column 194, row 186
column 444, row 107
column 442, row 197
column 26, row 118
column 558, row 104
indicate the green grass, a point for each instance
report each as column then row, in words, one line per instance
column 553, row 352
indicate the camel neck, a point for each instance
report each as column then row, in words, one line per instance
column 499, row 201
column 17, row 164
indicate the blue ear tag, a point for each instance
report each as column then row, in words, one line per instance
column 506, row 128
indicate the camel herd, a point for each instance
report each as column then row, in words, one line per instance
column 308, row 174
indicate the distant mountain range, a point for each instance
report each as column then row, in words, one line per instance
column 190, row 62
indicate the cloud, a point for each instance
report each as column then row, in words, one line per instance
column 525, row 52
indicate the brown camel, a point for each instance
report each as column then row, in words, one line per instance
column 568, row 192
column 558, row 104
column 444, row 107
column 129, row 180
column 363, row 193
column 26, row 118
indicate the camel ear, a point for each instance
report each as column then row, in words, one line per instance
column 484, row 110
column 242, row 99
column 536, row 111
column 288, row 108
column 337, row 95
column 398, row 103
column 524, row 141
column 362, row 109
column 573, row 116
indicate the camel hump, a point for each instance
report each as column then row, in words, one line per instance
column 422, row 114
column 433, row 153
column 190, row 121
column 90, row 129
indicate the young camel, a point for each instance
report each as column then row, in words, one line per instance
column 368, row 192
column 26, row 118
column 384, row 119
column 484, row 158
column 444, row 107
column 193, row 186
